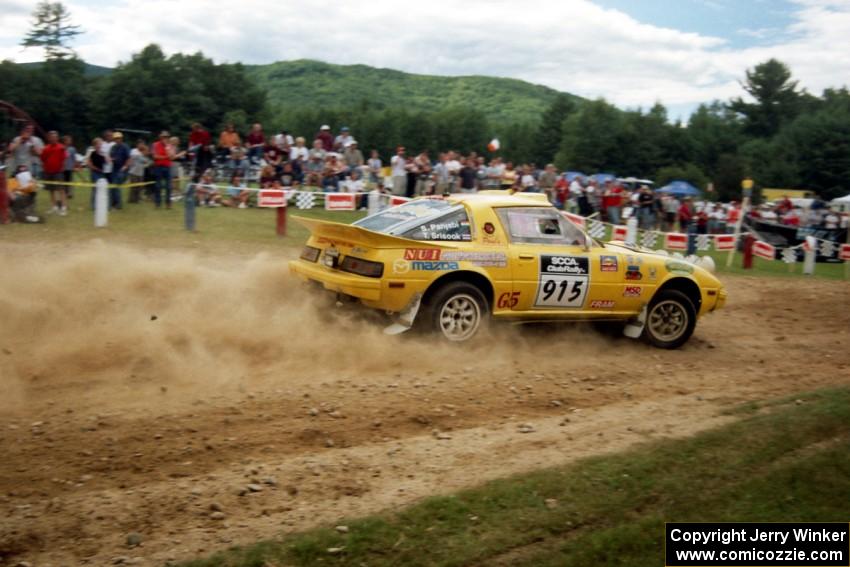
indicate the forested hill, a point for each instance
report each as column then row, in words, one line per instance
column 306, row 83
column 89, row 69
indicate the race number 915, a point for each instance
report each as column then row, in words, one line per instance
column 564, row 281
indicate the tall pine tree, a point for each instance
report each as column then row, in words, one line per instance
column 52, row 30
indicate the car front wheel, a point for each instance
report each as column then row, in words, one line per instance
column 458, row 311
column 670, row 319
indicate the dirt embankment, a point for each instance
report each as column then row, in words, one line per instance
column 196, row 402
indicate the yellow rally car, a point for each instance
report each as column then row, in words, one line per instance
column 451, row 263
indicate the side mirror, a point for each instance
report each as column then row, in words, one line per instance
column 588, row 241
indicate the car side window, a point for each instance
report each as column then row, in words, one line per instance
column 539, row 225
column 453, row 226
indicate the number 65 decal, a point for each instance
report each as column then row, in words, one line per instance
column 508, row 300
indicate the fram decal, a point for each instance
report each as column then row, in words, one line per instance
column 434, row 266
column 632, row 291
column 608, row 263
column 422, row 254
column 602, row 304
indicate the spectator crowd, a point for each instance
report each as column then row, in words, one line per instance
column 219, row 171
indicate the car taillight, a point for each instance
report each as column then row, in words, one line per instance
column 362, row 267
column 310, row 254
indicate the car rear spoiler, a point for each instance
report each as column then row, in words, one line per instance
column 362, row 236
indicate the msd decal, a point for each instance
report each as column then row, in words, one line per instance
column 632, row 291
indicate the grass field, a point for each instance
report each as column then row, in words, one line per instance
column 255, row 228
column 786, row 460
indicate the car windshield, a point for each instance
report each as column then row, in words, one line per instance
column 540, row 225
column 400, row 219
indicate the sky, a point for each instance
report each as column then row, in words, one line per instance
column 633, row 53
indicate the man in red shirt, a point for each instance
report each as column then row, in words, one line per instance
column 201, row 150
column 53, row 166
column 326, row 138
column 162, row 152
column 256, row 140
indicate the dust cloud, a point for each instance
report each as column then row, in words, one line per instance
column 121, row 322
column 116, row 321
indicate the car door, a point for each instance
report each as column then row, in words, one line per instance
column 555, row 273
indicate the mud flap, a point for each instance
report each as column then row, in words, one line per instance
column 404, row 320
column 634, row 328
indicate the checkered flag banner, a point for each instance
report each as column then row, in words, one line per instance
column 789, row 255
column 305, row 200
column 596, row 229
column 703, row 242
column 649, row 239
column 827, row 248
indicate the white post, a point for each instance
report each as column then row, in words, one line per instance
column 101, row 202
column 811, row 253
column 374, row 202
column 631, row 230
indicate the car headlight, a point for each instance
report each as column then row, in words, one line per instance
column 362, row 267
column 310, row 254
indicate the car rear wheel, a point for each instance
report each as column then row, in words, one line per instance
column 670, row 319
column 458, row 311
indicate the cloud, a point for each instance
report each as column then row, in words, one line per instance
column 571, row 45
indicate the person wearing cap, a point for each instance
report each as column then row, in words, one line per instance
column 162, row 154
column 25, row 148
column 341, row 142
column 120, row 154
column 326, row 138
column 398, row 165
column 352, row 156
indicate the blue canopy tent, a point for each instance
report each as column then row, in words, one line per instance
column 601, row 178
column 570, row 175
column 680, row 189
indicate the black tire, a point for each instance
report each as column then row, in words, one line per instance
column 670, row 319
column 457, row 311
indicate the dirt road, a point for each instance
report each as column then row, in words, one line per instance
column 185, row 403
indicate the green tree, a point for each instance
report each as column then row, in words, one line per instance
column 52, row 30
column 777, row 100
column 550, row 132
column 714, row 131
column 152, row 91
column 589, row 140
column 820, row 145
